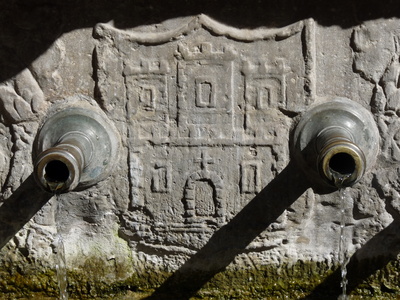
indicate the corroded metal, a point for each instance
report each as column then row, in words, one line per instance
column 336, row 141
column 76, row 148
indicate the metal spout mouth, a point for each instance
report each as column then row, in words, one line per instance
column 335, row 143
column 341, row 163
column 58, row 169
column 76, row 147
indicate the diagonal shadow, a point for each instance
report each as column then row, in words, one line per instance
column 20, row 207
column 371, row 257
column 232, row 239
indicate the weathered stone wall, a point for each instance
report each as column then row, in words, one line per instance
column 204, row 198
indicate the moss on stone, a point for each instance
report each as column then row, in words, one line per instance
column 273, row 282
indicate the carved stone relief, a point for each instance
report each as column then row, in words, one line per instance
column 199, row 93
column 205, row 111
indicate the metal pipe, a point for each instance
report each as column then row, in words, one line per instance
column 335, row 143
column 340, row 161
column 76, row 147
column 59, row 168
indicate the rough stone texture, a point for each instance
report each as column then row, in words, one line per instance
column 204, row 199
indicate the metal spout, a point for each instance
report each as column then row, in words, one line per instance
column 335, row 143
column 75, row 148
column 340, row 161
column 59, row 168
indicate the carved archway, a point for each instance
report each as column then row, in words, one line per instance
column 198, row 207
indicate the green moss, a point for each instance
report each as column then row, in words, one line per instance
column 92, row 281
column 17, row 284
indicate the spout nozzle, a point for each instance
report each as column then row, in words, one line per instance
column 336, row 143
column 341, row 163
column 76, row 147
column 58, row 169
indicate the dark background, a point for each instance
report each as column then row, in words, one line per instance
column 28, row 28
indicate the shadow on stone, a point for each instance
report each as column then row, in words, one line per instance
column 19, row 208
column 233, row 238
column 385, row 246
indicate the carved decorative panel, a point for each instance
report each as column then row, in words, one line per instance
column 205, row 105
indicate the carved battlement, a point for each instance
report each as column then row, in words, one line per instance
column 147, row 67
column 205, row 51
column 278, row 67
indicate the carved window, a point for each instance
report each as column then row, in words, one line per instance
column 264, row 97
column 160, row 182
column 264, row 93
column 147, row 97
column 205, row 93
column 250, row 179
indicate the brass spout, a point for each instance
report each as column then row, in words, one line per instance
column 335, row 143
column 58, row 169
column 340, row 161
column 75, row 148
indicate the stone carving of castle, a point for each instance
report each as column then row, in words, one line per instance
column 206, row 119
